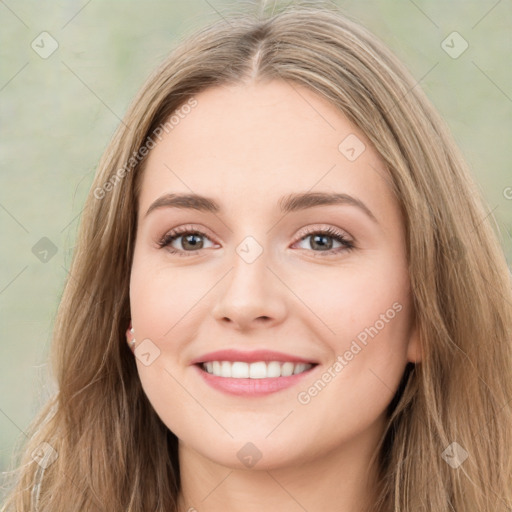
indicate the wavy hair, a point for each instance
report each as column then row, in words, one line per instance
column 99, row 445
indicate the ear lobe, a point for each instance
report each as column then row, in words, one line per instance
column 129, row 333
column 414, row 353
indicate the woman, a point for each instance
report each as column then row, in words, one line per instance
column 269, row 367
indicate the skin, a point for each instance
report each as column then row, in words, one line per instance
column 246, row 146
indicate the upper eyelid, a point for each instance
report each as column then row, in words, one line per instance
column 309, row 230
column 186, row 229
column 306, row 231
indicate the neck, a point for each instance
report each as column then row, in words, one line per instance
column 342, row 476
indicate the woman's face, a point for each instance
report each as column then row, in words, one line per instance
column 252, row 272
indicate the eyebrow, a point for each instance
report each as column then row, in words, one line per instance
column 290, row 203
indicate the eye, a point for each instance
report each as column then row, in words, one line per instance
column 319, row 238
column 191, row 243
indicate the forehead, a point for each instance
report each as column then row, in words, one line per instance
column 252, row 144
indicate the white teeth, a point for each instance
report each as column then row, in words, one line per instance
column 238, row 370
column 225, row 369
column 287, row 369
column 259, row 370
column 299, row 368
column 274, row 369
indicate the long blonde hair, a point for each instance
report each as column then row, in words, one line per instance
column 99, row 445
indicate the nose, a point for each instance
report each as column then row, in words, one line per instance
column 251, row 295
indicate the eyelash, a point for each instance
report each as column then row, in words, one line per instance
column 169, row 237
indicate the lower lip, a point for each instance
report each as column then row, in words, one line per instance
column 251, row 387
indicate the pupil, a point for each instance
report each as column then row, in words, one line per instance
column 323, row 244
column 319, row 241
column 192, row 244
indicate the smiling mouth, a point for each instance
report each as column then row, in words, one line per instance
column 256, row 370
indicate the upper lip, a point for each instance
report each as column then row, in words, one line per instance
column 249, row 357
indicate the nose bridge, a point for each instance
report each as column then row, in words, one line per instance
column 249, row 279
column 250, row 289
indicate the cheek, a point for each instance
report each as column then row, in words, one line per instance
column 359, row 301
column 368, row 315
column 377, row 312
column 161, row 296
column 368, row 358
column 162, row 303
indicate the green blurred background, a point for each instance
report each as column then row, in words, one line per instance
column 58, row 114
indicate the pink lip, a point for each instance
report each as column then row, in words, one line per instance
column 250, row 357
column 250, row 387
